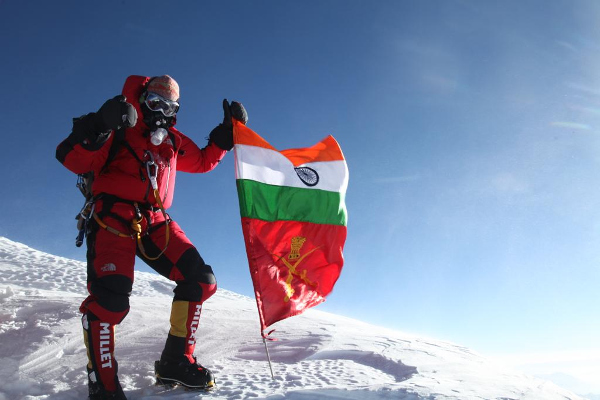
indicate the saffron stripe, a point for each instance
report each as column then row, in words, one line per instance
column 244, row 135
column 326, row 150
column 271, row 203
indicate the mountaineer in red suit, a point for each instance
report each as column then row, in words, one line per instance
column 134, row 151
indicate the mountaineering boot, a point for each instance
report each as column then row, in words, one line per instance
column 97, row 392
column 177, row 364
column 99, row 338
column 183, row 372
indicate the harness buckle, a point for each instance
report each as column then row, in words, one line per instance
column 136, row 223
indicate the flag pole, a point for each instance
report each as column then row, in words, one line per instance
column 269, row 358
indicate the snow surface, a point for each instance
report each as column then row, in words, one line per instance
column 318, row 355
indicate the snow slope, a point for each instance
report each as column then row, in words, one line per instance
column 319, row 355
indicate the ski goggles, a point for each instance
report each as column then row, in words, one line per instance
column 158, row 103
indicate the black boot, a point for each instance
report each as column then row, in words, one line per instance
column 182, row 371
column 177, row 365
column 97, row 392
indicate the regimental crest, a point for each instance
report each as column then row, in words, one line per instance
column 292, row 262
column 307, row 175
column 297, row 243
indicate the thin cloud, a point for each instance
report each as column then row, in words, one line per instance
column 566, row 45
column 583, row 88
column 571, row 125
column 397, row 179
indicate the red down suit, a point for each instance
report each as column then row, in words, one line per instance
column 117, row 189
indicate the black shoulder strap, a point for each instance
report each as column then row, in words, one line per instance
column 173, row 140
column 128, row 147
column 118, row 140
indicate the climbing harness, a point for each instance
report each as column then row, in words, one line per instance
column 136, row 223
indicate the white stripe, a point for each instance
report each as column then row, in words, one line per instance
column 273, row 168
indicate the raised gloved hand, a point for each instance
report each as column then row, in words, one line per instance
column 115, row 113
column 93, row 129
column 222, row 134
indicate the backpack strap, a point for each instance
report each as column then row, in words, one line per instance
column 118, row 140
column 130, row 149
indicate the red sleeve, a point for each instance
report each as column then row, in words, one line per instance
column 191, row 158
column 76, row 158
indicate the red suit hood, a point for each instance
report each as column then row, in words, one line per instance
column 134, row 87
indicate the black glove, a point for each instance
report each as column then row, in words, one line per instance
column 238, row 112
column 88, row 132
column 116, row 113
column 93, row 129
column 222, row 135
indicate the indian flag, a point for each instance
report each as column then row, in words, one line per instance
column 292, row 204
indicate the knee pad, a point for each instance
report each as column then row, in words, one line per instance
column 193, row 267
column 199, row 282
column 109, row 299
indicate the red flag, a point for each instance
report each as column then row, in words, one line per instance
column 293, row 220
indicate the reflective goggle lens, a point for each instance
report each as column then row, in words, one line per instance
column 157, row 103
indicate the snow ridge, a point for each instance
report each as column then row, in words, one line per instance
column 318, row 356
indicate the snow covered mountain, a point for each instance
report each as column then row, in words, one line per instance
column 319, row 355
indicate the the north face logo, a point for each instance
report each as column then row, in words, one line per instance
column 110, row 267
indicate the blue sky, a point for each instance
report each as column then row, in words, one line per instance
column 471, row 132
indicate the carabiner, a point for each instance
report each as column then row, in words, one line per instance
column 83, row 219
column 151, row 165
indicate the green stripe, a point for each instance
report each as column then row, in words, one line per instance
column 283, row 203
